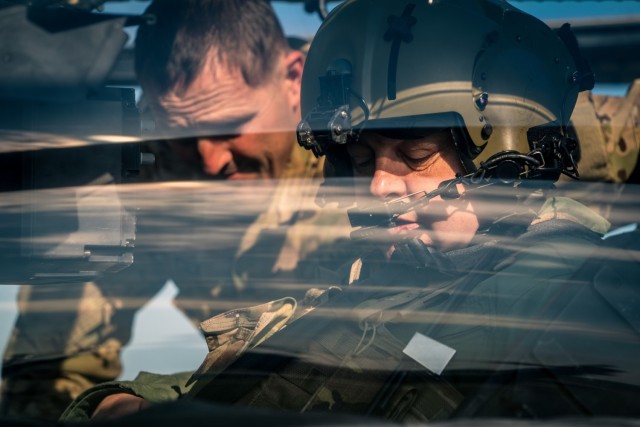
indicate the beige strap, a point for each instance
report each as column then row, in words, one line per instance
column 354, row 272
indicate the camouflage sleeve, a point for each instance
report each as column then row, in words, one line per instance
column 608, row 129
column 155, row 388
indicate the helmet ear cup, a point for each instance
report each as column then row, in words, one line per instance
column 522, row 78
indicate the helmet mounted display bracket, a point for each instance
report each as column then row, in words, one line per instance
column 330, row 121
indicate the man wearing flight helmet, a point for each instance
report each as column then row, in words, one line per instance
column 453, row 115
column 427, row 107
column 480, row 88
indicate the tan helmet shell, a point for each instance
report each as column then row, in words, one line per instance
column 501, row 70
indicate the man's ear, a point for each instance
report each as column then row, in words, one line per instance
column 293, row 65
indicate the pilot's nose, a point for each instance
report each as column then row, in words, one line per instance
column 216, row 155
column 385, row 184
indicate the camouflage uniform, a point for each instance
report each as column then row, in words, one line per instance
column 68, row 338
column 608, row 130
column 342, row 362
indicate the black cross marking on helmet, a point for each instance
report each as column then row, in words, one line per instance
column 399, row 31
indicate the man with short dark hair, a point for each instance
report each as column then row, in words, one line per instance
column 227, row 80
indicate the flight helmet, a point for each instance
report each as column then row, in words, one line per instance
column 500, row 79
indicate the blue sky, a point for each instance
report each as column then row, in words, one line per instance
column 579, row 9
column 297, row 22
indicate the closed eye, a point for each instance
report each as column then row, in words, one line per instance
column 362, row 159
column 418, row 156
